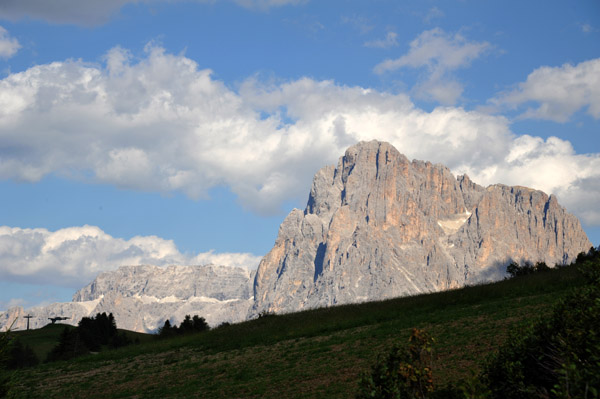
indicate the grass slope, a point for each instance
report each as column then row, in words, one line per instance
column 42, row 340
column 318, row 353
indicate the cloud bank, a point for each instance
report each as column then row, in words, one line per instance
column 161, row 123
column 559, row 92
column 73, row 256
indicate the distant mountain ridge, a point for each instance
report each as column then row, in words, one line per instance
column 375, row 226
column 142, row 297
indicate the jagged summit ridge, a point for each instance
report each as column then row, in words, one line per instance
column 378, row 226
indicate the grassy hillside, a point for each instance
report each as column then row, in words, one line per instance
column 319, row 353
column 42, row 340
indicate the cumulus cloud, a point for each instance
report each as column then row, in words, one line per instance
column 439, row 53
column 552, row 166
column 558, row 92
column 8, row 45
column 163, row 124
column 73, row 256
column 390, row 40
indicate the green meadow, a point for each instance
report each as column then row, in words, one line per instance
column 310, row 354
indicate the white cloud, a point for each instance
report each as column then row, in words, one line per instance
column 439, row 53
column 552, row 166
column 587, row 28
column 163, row 124
column 390, row 40
column 74, row 256
column 558, row 92
column 433, row 13
column 435, row 48
column 8, row 45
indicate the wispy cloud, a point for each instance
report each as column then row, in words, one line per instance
column 162, row 124
column 360, row 23
column 439, row 53
column 587, row 28
column 390, row 40
column 558, row 92
column 8, row 45
column 433, row 13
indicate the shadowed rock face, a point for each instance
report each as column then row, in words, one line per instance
column 380, row 226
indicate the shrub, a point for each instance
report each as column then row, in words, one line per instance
column 189, row 325
column 558, row 357
column 20, row 356
column 403, row 373
column 514, row 269
column 4, row 375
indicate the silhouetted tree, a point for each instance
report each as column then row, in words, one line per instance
column 166, row 330
column 91, row 334
column 98, row 331
column 200, row 324
column 20, row 356
column 189, row 325
column 514, row 269
column 69, row 346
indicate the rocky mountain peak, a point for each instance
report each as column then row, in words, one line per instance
column 378, row 225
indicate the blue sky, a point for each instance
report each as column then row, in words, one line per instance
column 184, row 131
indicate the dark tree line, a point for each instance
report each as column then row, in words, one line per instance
column 90, row 335
column 514, row 269
column 19, row 356
column 189, row 325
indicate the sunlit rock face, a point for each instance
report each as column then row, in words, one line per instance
column 379, row 226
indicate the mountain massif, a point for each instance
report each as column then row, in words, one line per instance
column 378, row 226
column 142, row 297
column 375, row 226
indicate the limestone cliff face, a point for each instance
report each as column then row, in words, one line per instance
column 177, row 282
column 142, row 297
column 380, row 226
